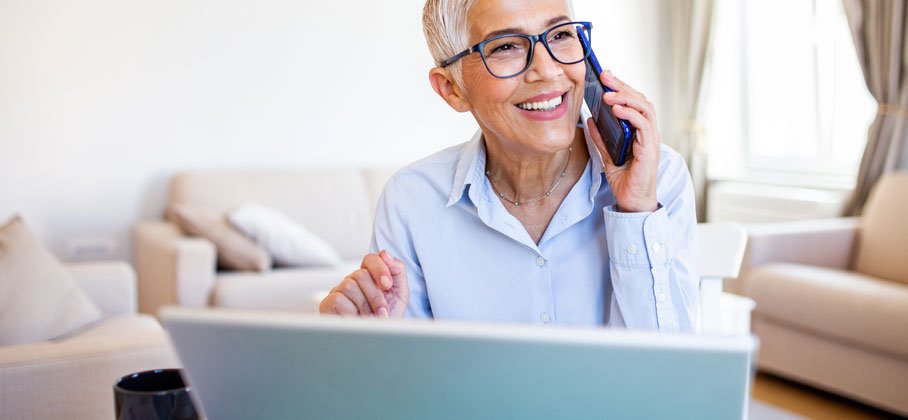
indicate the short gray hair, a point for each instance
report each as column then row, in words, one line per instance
column 444, row 23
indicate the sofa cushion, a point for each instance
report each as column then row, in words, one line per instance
column 235, row 251
column 336, row 204
column 291, row 289
column 72, row 378
column 846, row 306
column 883, row 246
column 39, row 299
column 289, row 243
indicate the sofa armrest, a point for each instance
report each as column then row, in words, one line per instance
column 111, row 285
column 173, row 269
column 823, row 242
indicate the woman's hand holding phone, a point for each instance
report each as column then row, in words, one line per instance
column 634, row 183
column 378, row 289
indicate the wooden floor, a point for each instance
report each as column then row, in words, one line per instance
column 809, row 402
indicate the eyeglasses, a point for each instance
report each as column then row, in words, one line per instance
column 509, row 55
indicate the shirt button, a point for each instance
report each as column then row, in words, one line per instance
column 656, row 247
column 631, row 249
column 544, row 317
column 661, row 297
column 540, row 261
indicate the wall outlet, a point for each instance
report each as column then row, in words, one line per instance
column 101, row 247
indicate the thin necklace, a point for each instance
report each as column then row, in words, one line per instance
column 547, row 193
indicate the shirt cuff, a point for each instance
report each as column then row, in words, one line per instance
column 637, row 240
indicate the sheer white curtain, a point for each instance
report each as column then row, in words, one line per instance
column 691, row 29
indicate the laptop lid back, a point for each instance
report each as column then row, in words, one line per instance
column 288, row 366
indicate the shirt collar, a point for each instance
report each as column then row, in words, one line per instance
column 472, row 162
column 597, row 166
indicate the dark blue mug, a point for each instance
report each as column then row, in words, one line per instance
column 157, row 394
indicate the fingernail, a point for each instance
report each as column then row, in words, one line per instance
column 611, row 94
column 385, row 282
column 383, row 312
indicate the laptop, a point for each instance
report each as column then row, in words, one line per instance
column 245, row 365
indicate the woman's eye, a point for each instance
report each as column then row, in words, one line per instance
column 562, row 35
column 504, row 48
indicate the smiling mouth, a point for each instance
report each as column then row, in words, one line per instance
column 542, row 105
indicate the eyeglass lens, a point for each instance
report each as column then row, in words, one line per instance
column 510, row 55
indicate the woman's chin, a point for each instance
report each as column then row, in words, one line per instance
column 548, row 142
column 558, row 136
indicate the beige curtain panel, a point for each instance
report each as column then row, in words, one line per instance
column 878, row 29
column 691, row 27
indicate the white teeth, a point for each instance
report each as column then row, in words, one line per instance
column 541, row 106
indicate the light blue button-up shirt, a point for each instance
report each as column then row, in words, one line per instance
column 467, row 258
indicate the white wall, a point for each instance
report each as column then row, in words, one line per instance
column 101, row 101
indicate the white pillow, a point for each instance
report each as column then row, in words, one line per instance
column 39, row 299
column 288, row 242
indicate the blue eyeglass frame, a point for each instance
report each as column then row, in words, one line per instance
column 533, row 40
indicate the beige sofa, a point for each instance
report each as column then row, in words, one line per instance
column 337, row 204
column 73, row 377
column 832, row 299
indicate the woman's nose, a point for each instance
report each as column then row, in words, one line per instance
column 543, row 66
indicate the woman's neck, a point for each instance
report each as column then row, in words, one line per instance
column 522, row 177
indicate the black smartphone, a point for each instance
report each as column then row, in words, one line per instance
column 617, row 134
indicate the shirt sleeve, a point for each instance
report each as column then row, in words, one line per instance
column 390, row 232
column 653, row 257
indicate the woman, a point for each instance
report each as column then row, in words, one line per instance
column 526, row 222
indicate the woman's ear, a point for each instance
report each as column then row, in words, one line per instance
column 445, row 87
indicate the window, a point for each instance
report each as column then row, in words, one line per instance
column 785, row 98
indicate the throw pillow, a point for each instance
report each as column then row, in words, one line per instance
column 289, row 243
column 39, row 299
column 235, row 251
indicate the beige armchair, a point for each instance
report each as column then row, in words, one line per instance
column 832, row 299
column 72, row 377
